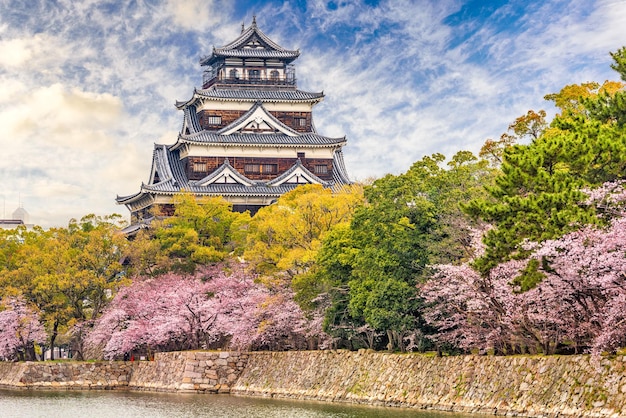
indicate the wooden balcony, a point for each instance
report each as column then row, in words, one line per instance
column 259, row 81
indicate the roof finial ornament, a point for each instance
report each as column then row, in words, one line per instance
column 243, row 27
column 253, row 20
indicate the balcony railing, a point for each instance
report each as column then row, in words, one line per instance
column 209, row 79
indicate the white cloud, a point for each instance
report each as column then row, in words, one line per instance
column 17, row 52
column 56, row 116
column 89, row 86
column 198, row 15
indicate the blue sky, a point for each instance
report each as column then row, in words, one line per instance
column 88, row 86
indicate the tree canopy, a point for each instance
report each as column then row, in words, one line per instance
column 538, row 194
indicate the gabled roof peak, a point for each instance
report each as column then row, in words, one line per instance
column 258, row 118
column 251, row 42
column 243, row 26
column 249, row 34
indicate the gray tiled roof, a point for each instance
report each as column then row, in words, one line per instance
column 198, row 135
column 166, row 162
column 241, row 190
column 225, row 166
column 254, row 53
column 246, row 34
column 190, row 120
column 257, row 105
column 340, row 174
column 279, row 139
column 297, row 165
column 254, row 95
column 236, row 47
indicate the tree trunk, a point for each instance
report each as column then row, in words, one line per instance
column 29, row 352
column 53, row 337
column 390, row 338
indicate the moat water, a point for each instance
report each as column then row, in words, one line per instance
column 114, row 404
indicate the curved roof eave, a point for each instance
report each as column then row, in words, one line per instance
column 254, row 53
column 295, row 96
column 245, row 36
column 259, row 140
column 122, row 200
column 225, row 167
column 280, row 180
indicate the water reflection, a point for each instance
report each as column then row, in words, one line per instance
column 97, row 404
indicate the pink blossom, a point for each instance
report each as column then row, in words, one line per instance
column 20, row 328
column 219, row 306
column 581, row 301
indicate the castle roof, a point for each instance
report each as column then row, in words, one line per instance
column 276, row 133
column 273, row 140
column 248, row 95
column 251, row 43
column 168, row 177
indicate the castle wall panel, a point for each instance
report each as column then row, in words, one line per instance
column 239, row 164
column 298, row 121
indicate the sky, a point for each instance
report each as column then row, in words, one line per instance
column 88, row 86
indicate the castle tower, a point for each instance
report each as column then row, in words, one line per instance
column 247, row 135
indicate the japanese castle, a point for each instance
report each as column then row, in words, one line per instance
column 248, row 135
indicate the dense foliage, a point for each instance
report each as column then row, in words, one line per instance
column 579, row 304
column 367, row 270
column 538, row 195
column 217, row 306
column 63, row 275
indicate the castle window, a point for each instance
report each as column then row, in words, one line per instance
column 254, row 74
column 301, row 155
column 301, row 122
column 274, row 75
column 261, row 168
column 320, row 169
column 214, row 120
column 199, row 166
column 234, row 74
column 269, row 168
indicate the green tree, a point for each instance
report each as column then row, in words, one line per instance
column 202, row 230
column 528, row 126
column 284, row 238
column 368, row 271
column 538, row 194
column 68, row 274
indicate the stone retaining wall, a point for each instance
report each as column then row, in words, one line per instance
column 189, row 371
column 65, row 375
column 553, row 386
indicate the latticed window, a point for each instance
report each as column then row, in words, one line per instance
column 214, row 120
column 320, row 169
column 199, row 166
column 233, row 74
column 274, row 75
column 301, row 122
column 261, row 168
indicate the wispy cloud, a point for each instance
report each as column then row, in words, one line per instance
column 89, row 86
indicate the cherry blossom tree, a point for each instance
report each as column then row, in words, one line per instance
column 579, row 301
column 20, row 330
column 218, row 306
